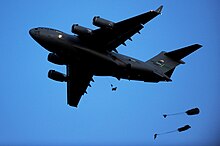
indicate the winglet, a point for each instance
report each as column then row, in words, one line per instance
column 158, row 10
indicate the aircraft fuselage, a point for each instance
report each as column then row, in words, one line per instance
column 74, row 51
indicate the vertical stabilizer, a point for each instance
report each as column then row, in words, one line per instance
column 165, row 63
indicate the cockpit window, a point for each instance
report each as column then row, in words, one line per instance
column 60, row 36
column 132, row 60
column 51, row 29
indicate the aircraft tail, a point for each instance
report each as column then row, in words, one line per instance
column 165, row 63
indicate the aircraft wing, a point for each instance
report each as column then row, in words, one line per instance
column 77, row 83
column 123, row 30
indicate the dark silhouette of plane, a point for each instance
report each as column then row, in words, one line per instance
column 91, row 53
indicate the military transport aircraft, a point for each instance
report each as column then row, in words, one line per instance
column 91, row 53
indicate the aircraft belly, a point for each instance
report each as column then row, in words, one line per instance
column 139, row 73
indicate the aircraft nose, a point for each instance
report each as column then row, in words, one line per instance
column 31, row 32
column 34, row 33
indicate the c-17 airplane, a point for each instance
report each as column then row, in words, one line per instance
column 91, row 53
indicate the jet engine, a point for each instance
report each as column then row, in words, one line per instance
column 80, row 30
column 103, row 23
column 54, row 58
column 57, row 76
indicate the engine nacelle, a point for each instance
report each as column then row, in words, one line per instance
column 54, row 58
column 103, row 23
column 80, row 30
column 57, row 76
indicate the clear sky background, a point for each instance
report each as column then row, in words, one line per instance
column 33, row 108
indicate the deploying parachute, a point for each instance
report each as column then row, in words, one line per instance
column 184, row 128
column 190, row 112
column 181, row 129
column 193, row 111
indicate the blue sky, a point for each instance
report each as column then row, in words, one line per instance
column 33, row 108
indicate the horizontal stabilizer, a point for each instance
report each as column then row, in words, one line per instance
column 177, row 55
